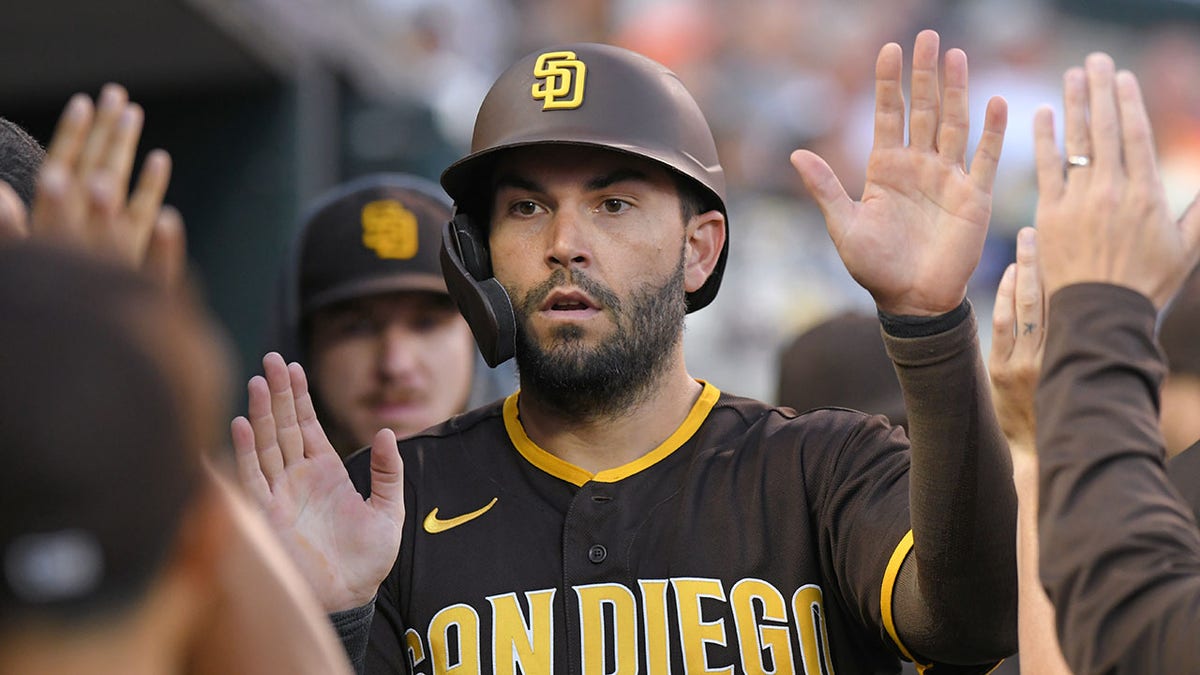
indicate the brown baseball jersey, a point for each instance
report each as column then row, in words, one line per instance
column 1120, row 551
column 752, row 540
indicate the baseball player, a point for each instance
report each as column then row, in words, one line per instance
column 617, row 515
column 1120, row 551
column 364, row 307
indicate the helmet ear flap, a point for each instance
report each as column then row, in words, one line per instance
column 483, row 302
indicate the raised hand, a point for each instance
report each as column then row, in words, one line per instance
column 1104, row 217
column 343, row 545
column 83, row 196
column 915, row 237
column 1018, row 338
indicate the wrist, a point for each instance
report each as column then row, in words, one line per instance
column 914, row 326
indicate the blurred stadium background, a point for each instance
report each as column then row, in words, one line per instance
column 265, row 103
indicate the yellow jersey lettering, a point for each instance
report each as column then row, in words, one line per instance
column 809, row 611
column 416, row 651
column 594, row 632
column 694, row 632
column 759, row 641
column 515, row 641
column 463, row 622
column 655, row 629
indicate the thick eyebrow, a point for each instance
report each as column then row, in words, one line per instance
column 516, row 182
column 618, row 176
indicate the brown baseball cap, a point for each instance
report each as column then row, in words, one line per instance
column 375, row 234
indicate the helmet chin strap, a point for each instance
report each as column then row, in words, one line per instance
column 481, row 299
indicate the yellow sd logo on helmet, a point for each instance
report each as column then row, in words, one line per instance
column 562, row 77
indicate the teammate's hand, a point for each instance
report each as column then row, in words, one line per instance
column 1108, row 221
column 83, row 196
column 344, row 546
column 915, row 238
column 1018, row 339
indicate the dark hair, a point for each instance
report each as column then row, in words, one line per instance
column 20, row 159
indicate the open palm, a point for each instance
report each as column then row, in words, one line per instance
column 342, row 544
column 915, row 237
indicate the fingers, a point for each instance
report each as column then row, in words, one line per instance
column 166, row 252
column 113, row 99
column 1003, row 320
column 13, row 225
column 926, row 100
column 1030, row 308
column 955, row 122
column 145, row 203
column 1102, row 115
column 1137, row 139
column 71, row 132
column 117, row 160
column 262, row 421
column 991, row 142
column 1077, row 138
column 283, row 409
column 387, row 475
column 250, row 474
column 826, row 190
column 889, row 98
column 1047, row 159
column 315, row 441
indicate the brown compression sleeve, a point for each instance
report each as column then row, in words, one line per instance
column 1120, row 550
column 955, row 598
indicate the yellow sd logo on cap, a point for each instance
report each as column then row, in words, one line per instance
column 389, row 229
column 562, row 77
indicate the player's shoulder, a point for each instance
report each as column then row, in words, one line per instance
column 741, row 411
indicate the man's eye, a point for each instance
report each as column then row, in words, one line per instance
column 614, row 205
column 525, row 208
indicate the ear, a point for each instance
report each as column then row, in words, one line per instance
column 705, row 239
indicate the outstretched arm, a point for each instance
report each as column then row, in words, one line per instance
column 913, row 241
column 1120, row 552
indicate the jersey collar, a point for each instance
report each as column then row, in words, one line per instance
column 575, row 475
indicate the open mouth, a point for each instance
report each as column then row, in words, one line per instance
column 569, row 303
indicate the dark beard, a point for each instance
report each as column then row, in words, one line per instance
column 586, row 384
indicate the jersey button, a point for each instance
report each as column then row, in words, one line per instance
column 597, row 553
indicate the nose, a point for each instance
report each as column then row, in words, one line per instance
column 567, row 245
column 397, row 352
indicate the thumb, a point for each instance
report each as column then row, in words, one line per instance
column 826, row 190
column 387, row 476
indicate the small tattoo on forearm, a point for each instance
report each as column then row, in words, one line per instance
column 1029, row 328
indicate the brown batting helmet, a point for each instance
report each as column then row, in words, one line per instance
column 598, row 96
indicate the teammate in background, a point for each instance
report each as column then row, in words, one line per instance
column 365, row 310
column 1120, row 551
column 841, row 362
column 617, row 514
column 119, row 553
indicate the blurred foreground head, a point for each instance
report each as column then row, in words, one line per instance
column 110, row 391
